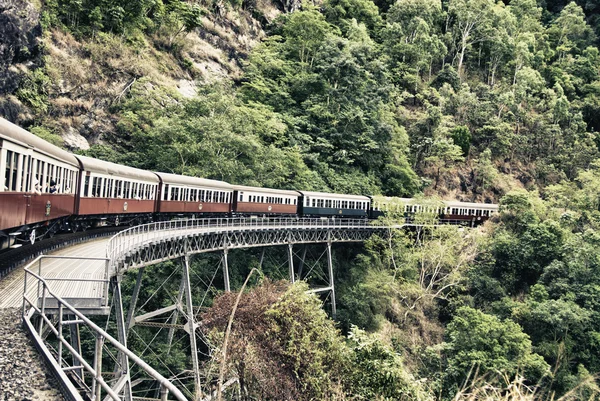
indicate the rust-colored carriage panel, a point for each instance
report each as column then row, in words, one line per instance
column 96, row 206
column 13, row 209
column 193, row 207
column 265, row 208
column 20, row 208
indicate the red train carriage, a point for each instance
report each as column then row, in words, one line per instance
column 114, row 193
column 184, row 195
column 264, row 201
column 466, row 211
column 37, row 187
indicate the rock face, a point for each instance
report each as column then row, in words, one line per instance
column 23, row 375
column 20, row 50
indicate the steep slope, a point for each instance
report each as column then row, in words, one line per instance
column 70, row 85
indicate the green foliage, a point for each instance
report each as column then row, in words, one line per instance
column 33, row 90
column 47, row 135
column 379, row 372
column 461, row 137
column 480, row 341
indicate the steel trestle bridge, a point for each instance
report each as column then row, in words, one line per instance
column 56, row 308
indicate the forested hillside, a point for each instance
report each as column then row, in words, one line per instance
column 461, row 99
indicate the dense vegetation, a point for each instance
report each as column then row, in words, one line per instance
column 370, row 96
column 473, row 99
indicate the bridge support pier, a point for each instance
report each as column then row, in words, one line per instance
column 191, row 322
column 96, row 387
column 76, row 344
column 290, row 252
column 134, row 298
column 122, row 368
column 331, row 283
column 226, row 270
column 301, row 265
column 173, row 321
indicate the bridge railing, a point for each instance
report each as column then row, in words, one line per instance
column 137, row 236
column 61, row 314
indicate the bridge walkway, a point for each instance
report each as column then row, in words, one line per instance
column 80, row 267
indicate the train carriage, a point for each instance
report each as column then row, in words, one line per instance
column 450, row 211
column 186, row 195
column 468, row 211
column 114, row 193
column 37, row 187
column 264, row 201
column 322, row 204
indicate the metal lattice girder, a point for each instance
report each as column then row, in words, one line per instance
column 143, row 253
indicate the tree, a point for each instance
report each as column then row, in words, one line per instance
column 470, row 25
column 480, row 341
column 570, row 32
column 282, row 345
column 380, row 372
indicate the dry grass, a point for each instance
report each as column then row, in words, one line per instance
column 478, row 389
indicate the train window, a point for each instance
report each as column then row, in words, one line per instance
column 127, row 190
column 95, row 184
column 108, row 187
column 26, row 174
column 241, row 197
column 119, row 189
column 86, row 186
column 313, row 203
column 14, row 166
column 294, row 201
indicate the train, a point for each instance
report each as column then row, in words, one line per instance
column 45, row 190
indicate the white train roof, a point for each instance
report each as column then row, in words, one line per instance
column 413, row 201
column 189, row 181
column 18, row 135
column 284, row 192
column 335, row 196
column 471, row 205
column 117, row 170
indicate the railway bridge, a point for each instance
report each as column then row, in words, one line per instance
column 72, row 294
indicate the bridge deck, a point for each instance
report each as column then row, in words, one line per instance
column 11, row 288
column 88, row 293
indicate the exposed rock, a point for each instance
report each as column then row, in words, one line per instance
column 20, row 33
column 186, row 88
column 73, row 139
